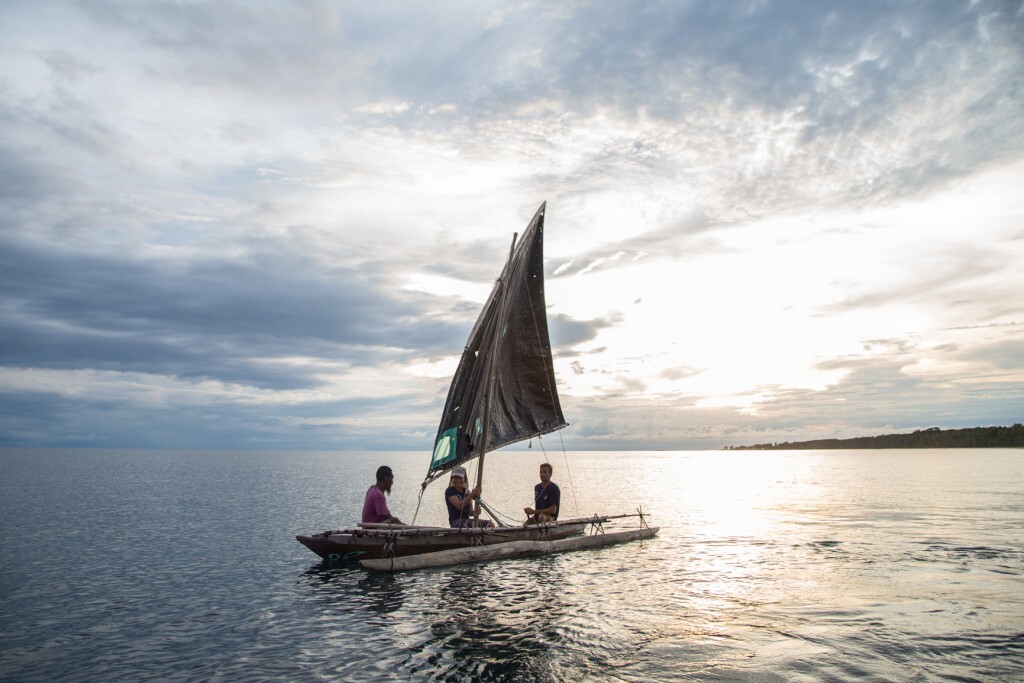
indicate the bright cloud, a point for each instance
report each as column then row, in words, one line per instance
column 273, row 224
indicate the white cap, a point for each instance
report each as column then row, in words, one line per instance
column 459, row 471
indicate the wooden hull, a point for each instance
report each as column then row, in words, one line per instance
column 512, row 549
column 351, row 545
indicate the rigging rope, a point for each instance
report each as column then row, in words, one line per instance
column 504, row 517
column 568, row 471
column 572, row 487
column 549, row 377
column 419, row 502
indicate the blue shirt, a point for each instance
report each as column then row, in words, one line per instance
column 457, row 517
column 545, row 497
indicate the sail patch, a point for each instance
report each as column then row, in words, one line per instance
column 444, row 450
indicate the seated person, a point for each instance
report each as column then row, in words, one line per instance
column 546, row 499
column 462, row 511
column 375, row 505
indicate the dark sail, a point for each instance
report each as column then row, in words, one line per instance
column 504, row 389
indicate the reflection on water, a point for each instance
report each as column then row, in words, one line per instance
column 493, row 624
column 383, row 593
column 376, row 593
column 782, row 566
column 770, row 566
column 509, row 621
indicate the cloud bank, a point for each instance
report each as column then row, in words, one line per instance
column 242, row 225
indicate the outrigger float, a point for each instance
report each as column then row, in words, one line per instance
column 508, row 549
column 503, row 392
column 391, row 547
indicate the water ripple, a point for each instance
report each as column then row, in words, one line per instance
column 769, row 567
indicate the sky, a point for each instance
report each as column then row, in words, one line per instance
column 271, row 225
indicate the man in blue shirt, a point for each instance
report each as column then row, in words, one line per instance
column 546, row 499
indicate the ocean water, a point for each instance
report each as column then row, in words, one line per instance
column 770, row 566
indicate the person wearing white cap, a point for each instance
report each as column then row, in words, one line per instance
column 462, row 511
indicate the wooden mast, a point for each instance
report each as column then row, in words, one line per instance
column 489, row 394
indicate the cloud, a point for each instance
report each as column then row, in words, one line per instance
column 218, row 318
column 256, row 224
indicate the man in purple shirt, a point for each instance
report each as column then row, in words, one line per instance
column 375, row 505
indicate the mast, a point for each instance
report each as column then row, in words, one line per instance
column 489, row 394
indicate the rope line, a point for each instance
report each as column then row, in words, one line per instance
column 419, row 501
column 572, row 487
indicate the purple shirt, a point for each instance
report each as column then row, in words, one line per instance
column 375, row 507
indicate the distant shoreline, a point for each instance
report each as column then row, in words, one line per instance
column 972, row 437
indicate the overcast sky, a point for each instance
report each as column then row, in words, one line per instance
column 271, row 225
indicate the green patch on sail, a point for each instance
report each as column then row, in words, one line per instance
column 444, row 449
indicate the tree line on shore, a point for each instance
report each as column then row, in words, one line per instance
column 972, row 437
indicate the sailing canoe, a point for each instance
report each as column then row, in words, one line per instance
column 503, row 392
column 349, row 545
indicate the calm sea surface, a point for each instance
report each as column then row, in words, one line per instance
column 770, row 566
